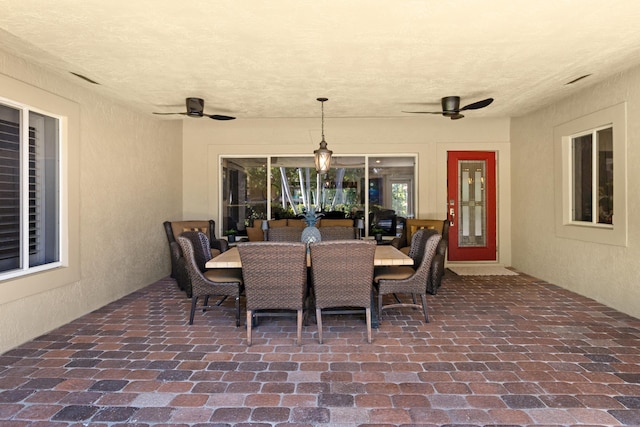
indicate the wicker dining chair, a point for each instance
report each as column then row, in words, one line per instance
column 275, row 278
column 407, row 280
column 219, row 282
column 338, row 233
column 342, row 276
column 284, row 234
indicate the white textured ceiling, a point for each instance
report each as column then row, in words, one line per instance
column 371, row 58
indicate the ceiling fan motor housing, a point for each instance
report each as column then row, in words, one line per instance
column 195, row 107
column 450, row 105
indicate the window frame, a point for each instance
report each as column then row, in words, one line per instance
column 369, row 162
column 25, row 127
column 593, row 178
column 565, row 226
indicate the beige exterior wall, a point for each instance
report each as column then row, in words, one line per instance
column 607, row 273
column 134, row 171
column 125, row 180
column 428, row 137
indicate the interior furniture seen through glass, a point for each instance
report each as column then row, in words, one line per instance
column 281, row 187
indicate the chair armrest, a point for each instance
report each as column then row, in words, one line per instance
column 435, row 275
column 395, row 242
column 400, row 242
column 220, row 244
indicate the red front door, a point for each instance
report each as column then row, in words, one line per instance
column 471, row 182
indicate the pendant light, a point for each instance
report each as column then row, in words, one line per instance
column 322, row 155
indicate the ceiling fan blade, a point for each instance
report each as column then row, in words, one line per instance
column 424, row 112
column 166, row 114
column 456, row 116
column 477, row 105
column 219, row 117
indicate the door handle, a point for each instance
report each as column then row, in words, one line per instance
column 452, row 216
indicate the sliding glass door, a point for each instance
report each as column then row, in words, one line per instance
column 376, row 189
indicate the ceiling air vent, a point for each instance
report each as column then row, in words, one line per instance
column 87, row 79
column 577, row 80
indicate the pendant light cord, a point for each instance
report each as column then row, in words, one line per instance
column 322, row 100
column 322, row 108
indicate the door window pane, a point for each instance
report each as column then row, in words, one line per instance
column 472, row 200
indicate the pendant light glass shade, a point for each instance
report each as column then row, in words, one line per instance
column 322, row 156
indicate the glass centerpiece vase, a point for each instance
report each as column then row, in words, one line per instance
column 310, row 233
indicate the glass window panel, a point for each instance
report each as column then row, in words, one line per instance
column 592, row 177
column 477, row 185
column 465, row 185
column 244, row 192
column 400, row 200
column 605, row 176
column 582, row 154
column 391, row 186
column 479, row 225
column 44, row 239
column 341, row 193
column 296, row 185
column 465, row 221
column 10, row 246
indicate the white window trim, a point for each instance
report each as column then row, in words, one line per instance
column 616, row 117
column 68, row 269
column 25, row 269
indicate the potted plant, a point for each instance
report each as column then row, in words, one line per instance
column 377, row 232
column 231, row 235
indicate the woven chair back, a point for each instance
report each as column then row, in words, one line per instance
column 418, row 245
column 338, row 233
column 284, row 234
column 275, row 274
column 342, row 272
column 201, row 247
column 421, row 275
column 198, row 282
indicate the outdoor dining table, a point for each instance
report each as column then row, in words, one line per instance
column 385, row 255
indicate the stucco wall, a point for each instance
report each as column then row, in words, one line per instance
column 607, row 273
column 429, row 137
column 129, row 173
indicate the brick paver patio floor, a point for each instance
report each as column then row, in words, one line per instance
column 499, row 350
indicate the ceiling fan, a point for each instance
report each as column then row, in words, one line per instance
column 451, row 107
column 195, row 108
